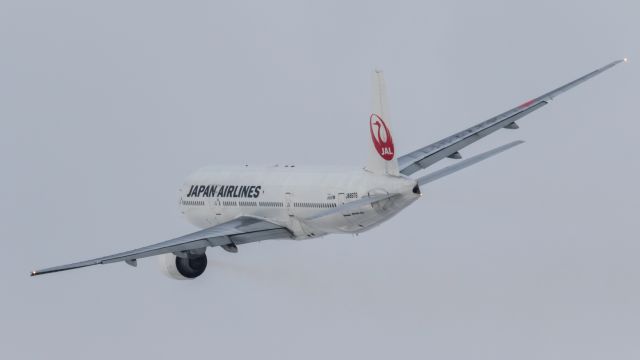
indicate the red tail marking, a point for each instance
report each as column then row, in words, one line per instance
column 381, row 137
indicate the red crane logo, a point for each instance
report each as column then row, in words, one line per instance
column 381, row 137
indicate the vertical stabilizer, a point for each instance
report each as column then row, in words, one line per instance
column 382, row 154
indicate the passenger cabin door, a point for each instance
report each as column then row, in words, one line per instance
column 294, row 225
column 341, row 198
column 216, row 210
column 288, row 203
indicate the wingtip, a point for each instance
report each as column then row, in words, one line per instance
column 33, row 273
column 625, row 60
column 512, row 144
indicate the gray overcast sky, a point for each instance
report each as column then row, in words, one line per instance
column 107, row 106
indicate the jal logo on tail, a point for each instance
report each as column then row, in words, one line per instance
column 381, row 137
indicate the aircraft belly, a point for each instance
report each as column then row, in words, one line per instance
column 363, row 219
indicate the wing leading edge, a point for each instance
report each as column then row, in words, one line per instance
column 449, row 146
column 239, row 231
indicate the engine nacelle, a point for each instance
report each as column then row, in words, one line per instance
column 183, row 268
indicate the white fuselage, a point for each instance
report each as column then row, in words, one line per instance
column 291, row 196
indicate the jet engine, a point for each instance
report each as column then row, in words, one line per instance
column 183, row 268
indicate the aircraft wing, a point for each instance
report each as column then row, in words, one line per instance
column 238, row 231
column 449, row 146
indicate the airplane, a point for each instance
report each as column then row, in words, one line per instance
column 239, row 205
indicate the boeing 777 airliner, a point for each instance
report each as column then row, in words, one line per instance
column 239, row 205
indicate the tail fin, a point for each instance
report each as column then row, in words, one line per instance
column 382, row 154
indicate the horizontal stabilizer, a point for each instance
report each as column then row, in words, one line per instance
column 465, row 163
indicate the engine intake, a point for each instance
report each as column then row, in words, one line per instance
column 183, row 268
